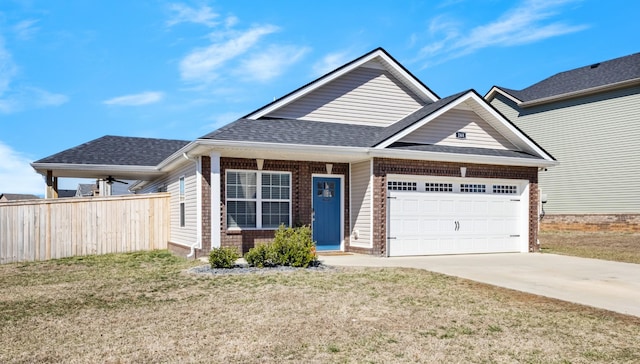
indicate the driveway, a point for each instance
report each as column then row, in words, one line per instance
column 609, row 285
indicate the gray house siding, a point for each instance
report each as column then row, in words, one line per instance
column 365, row 96
column 442, row 131
column 595, row 139
column 183, row 235
column 361, row 204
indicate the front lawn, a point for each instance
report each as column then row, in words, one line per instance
column 620, row 247
column 141, row 307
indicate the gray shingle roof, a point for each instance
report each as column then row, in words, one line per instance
column 307, row 132
column 17, row 196
column 583, row 78
column 117, row 150
column 461, row 150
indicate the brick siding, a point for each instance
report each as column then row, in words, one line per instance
column 301, row 174
column 592, row 222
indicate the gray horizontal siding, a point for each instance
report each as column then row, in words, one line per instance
column 187, row 235
column 442, row 131
column 595, row 139
column 361, row 209
column 365, row 96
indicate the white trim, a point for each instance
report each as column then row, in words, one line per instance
column 341, row 177
column 415, row 85
column 462, row 158
column 216, row 212
column 199, row 202
column 491, row 95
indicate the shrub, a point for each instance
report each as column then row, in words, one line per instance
column 290, row 247
column 223, row 257
column 260, row 256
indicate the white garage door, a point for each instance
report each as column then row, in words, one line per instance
column 427, row 218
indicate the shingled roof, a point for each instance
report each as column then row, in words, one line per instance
column 118, row 150
column 580, row 79
column 319, row 133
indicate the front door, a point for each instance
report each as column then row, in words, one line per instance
column 326, row 213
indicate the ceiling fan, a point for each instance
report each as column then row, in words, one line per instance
column 111, row 179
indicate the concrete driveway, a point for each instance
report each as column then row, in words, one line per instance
column 609, row 285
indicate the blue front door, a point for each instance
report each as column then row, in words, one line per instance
column 326, row 213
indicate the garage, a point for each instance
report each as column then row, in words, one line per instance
column 434, row 216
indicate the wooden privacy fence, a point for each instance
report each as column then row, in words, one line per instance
column 58, row 228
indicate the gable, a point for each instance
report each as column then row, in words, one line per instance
column 368, row 95
column 443, row 129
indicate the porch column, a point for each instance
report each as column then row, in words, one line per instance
column 52, row 185
column 204, row 202
column 215, row 200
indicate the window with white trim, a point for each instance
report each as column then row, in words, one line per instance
column 505, row 189
column 258, row 199
column 438, row 187
column 182, row 203
column 473, row 188
column 402, row 186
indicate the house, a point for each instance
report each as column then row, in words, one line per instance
column 6, row 197
column 368, row 155
column 588, row 118
column 86, row 190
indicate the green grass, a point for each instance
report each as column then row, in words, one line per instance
column 143, row 307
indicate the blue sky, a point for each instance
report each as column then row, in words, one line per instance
column 75, row 70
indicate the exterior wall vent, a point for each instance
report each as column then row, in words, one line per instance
column 595, row 65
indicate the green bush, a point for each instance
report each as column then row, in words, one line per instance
column 261, row 256
column 223, row 257
column 290, row 247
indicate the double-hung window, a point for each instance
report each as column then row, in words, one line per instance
column 258, row 200
column 182, row 201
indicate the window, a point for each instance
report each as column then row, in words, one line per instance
column 473, row 188
column 505, row 189
column 402, row 186
column 182, row 199
column 258, row 199
column 438, row 187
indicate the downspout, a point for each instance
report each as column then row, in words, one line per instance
column 193, row 248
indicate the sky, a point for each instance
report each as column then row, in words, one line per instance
column 75, row 70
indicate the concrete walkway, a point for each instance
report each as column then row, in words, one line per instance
column 609, row 285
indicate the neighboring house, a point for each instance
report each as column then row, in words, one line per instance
column 66, row 193
column 6, row 197
column 367, row 155
column 86, row 190
column 589, row 119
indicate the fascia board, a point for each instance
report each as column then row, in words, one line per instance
column 42, row 168
column 585, row 92
column 491, row 94
column 325, row 149
column 422, row 122
column 461, row 158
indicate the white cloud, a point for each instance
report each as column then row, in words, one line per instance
column 203, row 64
column 529, row 22
column 267, row 65
column 17, row 98
column 8, row 68
column 330, row 62
column 25, row 29
column 26, row 97
column 186, row 14
column 16, row 174
column 143, row 98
